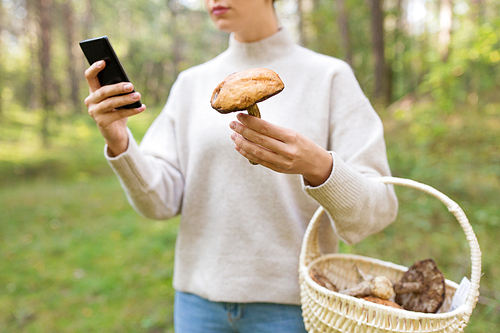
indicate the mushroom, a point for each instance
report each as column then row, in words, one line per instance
column 243, row 90
column 379, row 286
column 322, row 280
column 422, row 287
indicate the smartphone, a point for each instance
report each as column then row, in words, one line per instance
column 100, row 48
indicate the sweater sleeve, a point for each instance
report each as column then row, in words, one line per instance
column 150, row 173
column 357, row 205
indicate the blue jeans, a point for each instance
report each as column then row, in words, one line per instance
column 193, row 314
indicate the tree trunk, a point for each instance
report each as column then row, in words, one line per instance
column 343, row 22
column 1, row 67
column 317, row 25
column 381, row 87
column 73, row 83
column 300, row 14
column 444, row 37
column 85, row 24
column 175, row 8
column 399, row 46
column 44, row 55
column 87, row 19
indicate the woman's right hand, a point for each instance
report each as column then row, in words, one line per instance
column 103, row 103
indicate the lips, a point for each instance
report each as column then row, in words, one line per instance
column 219, row 10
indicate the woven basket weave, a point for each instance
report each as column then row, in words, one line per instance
column 325, row 311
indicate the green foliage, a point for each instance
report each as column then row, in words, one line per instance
column 470, row 74
column 76, row 152
column 325, row 36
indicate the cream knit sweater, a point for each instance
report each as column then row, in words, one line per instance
column 242, row 225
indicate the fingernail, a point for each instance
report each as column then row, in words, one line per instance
column 232, row 124
column 233, row 136
column 239, row 115
column 99, row 64
column 136, row 96
column 128, row 87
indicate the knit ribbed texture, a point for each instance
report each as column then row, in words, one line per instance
column 242, row 225
column 260, row 51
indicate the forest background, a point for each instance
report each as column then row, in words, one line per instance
column 74, row 256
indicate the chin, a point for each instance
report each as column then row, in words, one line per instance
column 223, row 26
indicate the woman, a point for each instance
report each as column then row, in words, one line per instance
column 236, row 264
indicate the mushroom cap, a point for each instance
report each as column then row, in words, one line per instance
column 382, row 287
column 430, row 297
column 243, row 89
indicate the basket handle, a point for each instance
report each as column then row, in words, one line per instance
column 310, row 245
column 311, row 250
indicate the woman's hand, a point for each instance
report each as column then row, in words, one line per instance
column 281, row 149
column 103, row 103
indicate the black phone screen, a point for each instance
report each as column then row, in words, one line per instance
column 100, row 48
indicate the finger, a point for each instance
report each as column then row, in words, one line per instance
column 113, row 96
column 111, row 104
column 111, row 117
column 253, row 151
column 264, row 127
column 257, row 138
column 257, row 160
column 91, row 75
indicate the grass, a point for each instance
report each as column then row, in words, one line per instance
column 75, row 257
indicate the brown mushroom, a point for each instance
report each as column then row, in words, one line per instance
column 379, row 286
column 322, row 280
column 243, row 90
column 422, row 287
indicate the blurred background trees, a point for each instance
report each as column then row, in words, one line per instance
column 42, row 64
column 447, row 50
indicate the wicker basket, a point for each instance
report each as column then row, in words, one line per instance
column 327, row 311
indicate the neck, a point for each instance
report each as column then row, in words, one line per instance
column 263, row 26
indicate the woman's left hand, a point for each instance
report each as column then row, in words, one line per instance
column 281, row 149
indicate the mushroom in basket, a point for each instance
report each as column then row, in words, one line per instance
column 421, row 288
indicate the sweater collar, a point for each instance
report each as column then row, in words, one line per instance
column 266, row 49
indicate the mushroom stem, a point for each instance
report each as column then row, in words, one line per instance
column 253, row 110
column 360, row 290
column 407, row 287
column 379, row 286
